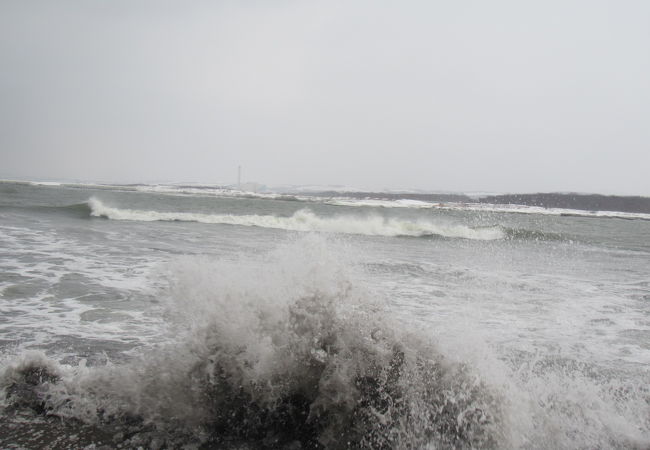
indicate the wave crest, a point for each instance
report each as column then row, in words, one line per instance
column 306, row 220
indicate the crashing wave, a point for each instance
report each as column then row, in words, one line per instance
column 292, row 354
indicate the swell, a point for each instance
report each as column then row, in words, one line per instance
column 78, row 210
column 306, row 220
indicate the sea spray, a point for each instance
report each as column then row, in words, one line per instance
column 286, row 352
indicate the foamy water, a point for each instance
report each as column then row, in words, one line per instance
column 145, row 319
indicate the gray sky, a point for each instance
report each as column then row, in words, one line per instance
column 456, row 95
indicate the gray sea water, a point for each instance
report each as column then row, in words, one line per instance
column 162, row 317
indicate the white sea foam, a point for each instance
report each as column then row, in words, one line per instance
column 306, row 220
column 488, row 207
column 401, row 203
column 58, row 288
column 524, row 209
column 45, row 183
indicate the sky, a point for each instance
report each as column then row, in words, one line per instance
column 473, row 96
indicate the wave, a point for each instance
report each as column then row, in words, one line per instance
column 291, row 353
column 379, row 203
column 77, row 209
column 80, row 210
column 523, row 209
column 306, row 220
column 484, row 207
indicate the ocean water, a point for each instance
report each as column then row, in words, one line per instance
column 170, row 317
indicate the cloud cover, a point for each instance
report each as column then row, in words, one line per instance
column 465, row 96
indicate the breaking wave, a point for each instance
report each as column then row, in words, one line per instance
column 289, row 354
column 306, row 220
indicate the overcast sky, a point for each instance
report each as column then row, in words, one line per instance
column 496, row 96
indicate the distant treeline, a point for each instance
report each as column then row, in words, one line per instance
column 584, row 202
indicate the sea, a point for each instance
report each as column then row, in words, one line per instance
column 200, row 317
